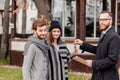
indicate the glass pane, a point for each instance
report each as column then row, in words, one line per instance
column 118, row 18
column 89, row 18
column 99, row 7
column 69, row 23
column 93, row 9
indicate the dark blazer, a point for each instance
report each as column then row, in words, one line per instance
column 107, row 54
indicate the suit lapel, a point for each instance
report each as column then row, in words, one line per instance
column 101, row 39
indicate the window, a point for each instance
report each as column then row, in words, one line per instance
column 64, row 11
column 93, row 9
column 118, row 16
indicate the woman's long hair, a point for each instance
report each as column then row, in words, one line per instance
column 51, row 39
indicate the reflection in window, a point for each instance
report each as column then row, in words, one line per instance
column 93, row 9
column 64, row 11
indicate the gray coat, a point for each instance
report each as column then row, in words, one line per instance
column 107, row 55
column 36, row 61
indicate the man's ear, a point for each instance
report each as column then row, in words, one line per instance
column 111, row 22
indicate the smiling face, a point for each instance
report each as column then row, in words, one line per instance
column 56, row 33
column 105, row 21
column 41, row 32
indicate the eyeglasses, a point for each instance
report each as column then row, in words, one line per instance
column 104, row 19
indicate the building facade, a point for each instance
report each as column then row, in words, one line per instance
column 78, row 18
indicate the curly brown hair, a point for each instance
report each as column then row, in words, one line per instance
column 41, row 21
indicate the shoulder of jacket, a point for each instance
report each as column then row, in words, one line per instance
column 32, row 46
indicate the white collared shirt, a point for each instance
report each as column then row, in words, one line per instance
column 104, row 32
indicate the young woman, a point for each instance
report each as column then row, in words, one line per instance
column 36, row 59
column 60, row 54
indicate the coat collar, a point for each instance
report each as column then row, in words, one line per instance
column 108, row 31
column 34, row 40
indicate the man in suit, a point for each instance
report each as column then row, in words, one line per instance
column 107, row 51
